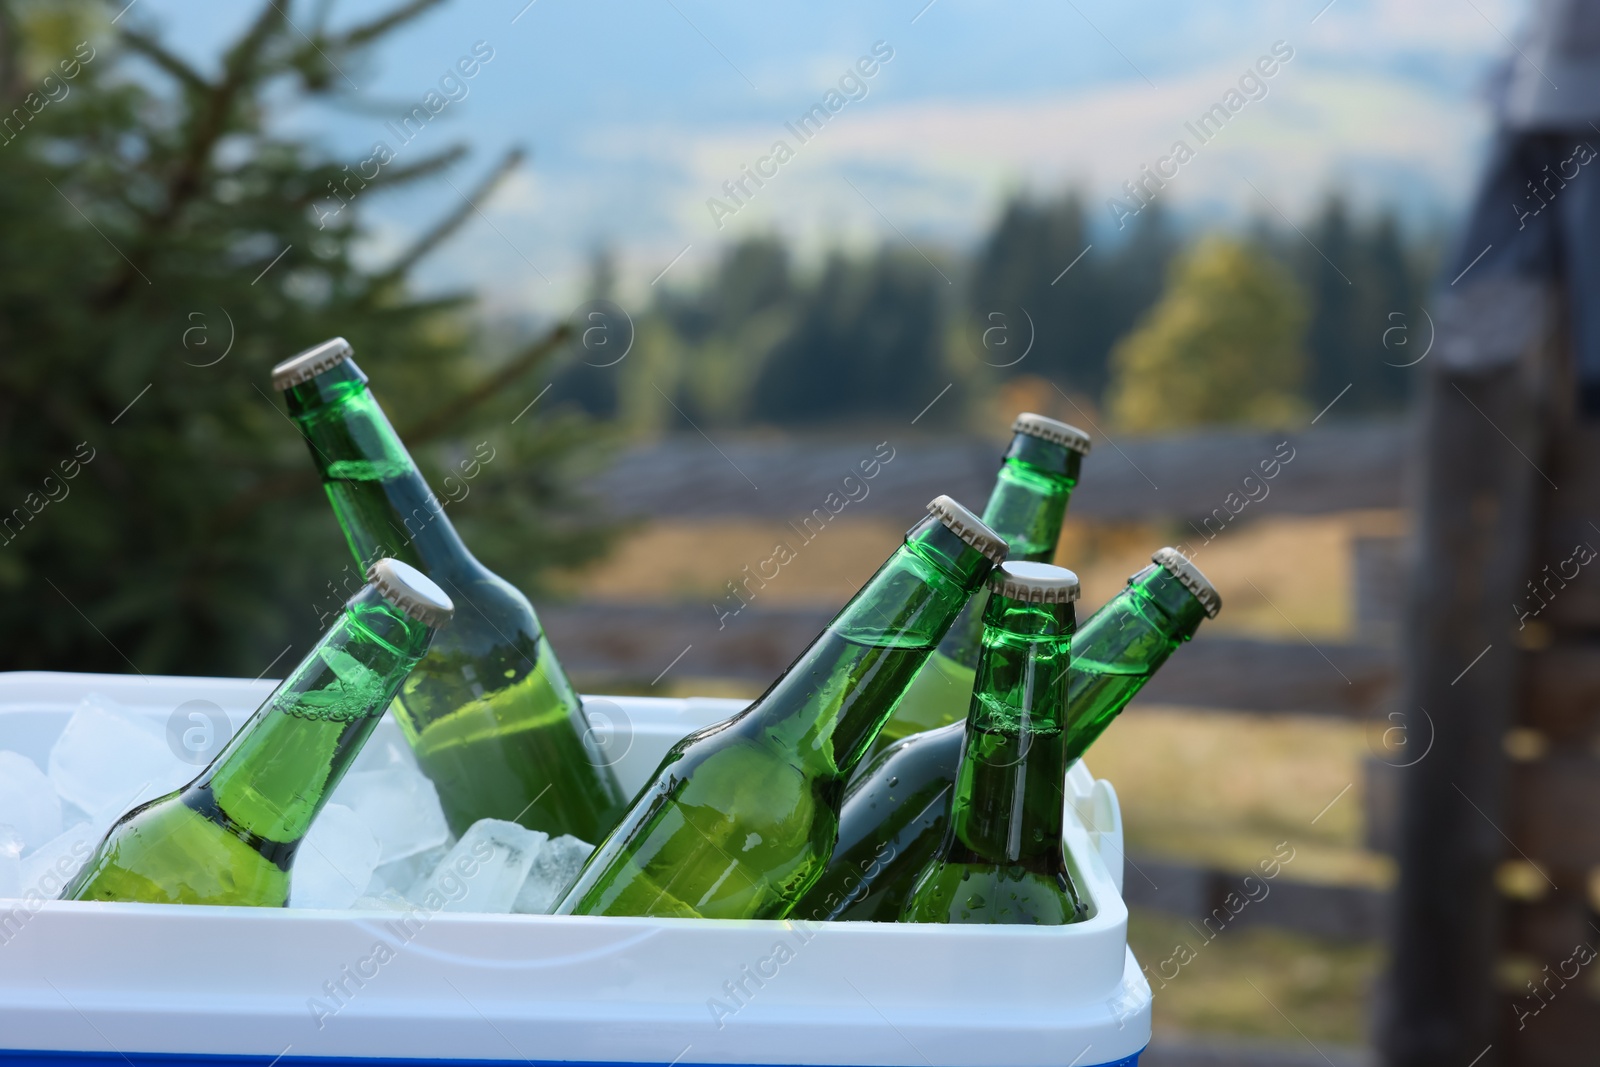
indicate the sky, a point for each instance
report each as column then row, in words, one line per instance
column 636, row 112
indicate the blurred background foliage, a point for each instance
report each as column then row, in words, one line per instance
column 1164, row 329
column 143, row 303
column 167, row 243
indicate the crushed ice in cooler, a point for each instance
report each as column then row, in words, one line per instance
column 401, row 875
column 46, row 870
column 10, row 864
column 483, row 872
column 388, row 900
column 554, row 869
column 28, row 802
column 382, row 842
column 385, row 748
column 105, row 762
column 335, row 862
column 401, row 807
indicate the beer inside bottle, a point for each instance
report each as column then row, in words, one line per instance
column 230, row 836
column 1001, row 859
column 490, row 713
column 741, row 817
column 1026, row 507
column 896, row 809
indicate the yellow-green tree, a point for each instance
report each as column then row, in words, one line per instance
column 1223, row 345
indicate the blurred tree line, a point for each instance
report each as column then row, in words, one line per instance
column 162, row 250
column 1160, row 330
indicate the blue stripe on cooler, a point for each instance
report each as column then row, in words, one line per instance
column 162, row 1059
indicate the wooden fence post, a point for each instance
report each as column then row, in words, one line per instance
column 1475, row 503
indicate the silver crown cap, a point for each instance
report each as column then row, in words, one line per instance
column 1034, row 583
column 310, row 363
column 411, row 591
column 967, row 526
column 1177, row 564
column 1052, row 430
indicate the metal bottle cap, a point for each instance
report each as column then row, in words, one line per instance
column 967, row 526
column 1177, row 564
column 310, row 363
column 411, row 591
column 1034, row 583
column 1052, row 430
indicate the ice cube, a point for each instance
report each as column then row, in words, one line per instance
column 105, row 763
column 554, row 869
column 399, row 805
column 47, row 869
column 385, row 748
column 28, row 802
column 484, row 871
column 401, row 875
column 10, row 866
column 335, row 862
column 388, row 900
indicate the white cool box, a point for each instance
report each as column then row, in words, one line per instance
column 150, row 984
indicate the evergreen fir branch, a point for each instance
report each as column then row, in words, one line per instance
column 375, row 28
column 441, row 231
column 168, row 61
column 448, row 415
column 386, row 179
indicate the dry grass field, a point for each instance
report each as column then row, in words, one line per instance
column 1277, row 576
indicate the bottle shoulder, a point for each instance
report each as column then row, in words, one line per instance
column 488, row 608
column 912, row 763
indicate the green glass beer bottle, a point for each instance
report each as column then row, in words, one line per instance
column 490, row 713
column 1026, row 507
column 740, row 817
column 896, row 810
column 229, row 836
column 1001, row 859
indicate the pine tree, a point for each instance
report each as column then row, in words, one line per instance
column 1357, row 276
column 1037, row 267
column 867, row 340
column 165, row 245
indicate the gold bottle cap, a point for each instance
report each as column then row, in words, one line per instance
column 310, row 363
column 967, row 526
column 411, row 591
column 1034, row 583
column 1052, row 430
column 1177, row 564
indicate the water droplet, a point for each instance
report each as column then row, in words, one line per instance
column 975, row 901
column 894, row 780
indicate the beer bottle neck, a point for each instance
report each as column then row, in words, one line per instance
column 1029, row 499
column 383, row 504
column 1007, row 806
column 1027, row 507
column 277, row 772
column 831, row 703
column 1121, row 646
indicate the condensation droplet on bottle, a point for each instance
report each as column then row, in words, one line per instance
column 894, row 780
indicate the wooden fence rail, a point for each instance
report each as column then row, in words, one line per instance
column 1214, row 671
column 1333, row 468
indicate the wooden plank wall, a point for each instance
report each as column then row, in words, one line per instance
column 1549, row 1011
